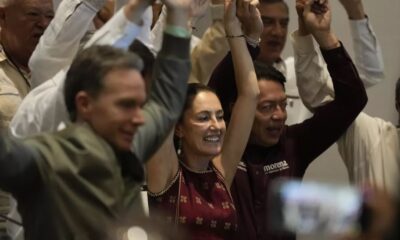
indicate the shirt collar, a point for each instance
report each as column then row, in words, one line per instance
column 3, row 56
column 280, row 65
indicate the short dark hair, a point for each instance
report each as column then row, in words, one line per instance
column 269, row 73
column 89, row 68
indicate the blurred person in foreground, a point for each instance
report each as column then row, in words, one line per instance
column 80, row 182
column 382, row 217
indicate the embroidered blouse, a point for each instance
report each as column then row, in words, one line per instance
column 205, row 208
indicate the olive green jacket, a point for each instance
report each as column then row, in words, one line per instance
column 72, row 184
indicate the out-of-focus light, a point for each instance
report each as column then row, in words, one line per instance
column 137, row 233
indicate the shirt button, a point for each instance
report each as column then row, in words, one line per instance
column 257, row 172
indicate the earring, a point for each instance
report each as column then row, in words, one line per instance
column 179, row 147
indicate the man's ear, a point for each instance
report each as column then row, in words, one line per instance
column 83, row 105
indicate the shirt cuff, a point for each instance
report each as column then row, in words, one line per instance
column 118, row 31
column 175, row 46
column 177, row 31
column 302, row 45
column 336, row 56
column 361, row 28
column 129, row 27
column 128, row 30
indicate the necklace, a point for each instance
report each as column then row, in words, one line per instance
column 209, row 168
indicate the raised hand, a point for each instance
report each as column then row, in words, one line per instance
column 134, row 9
column 179, row 12
column 317, row 16
column 104, row 14
column 300, row 5
column 354, row 9
column 317, row 19
column 250, row 17
column 231, row 22
column 199, row 8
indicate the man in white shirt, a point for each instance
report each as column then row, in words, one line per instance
column 74, row 20
column 370, row 149
column 22, row 23
column 71, row 22
column 367, row 50
column 370, row 146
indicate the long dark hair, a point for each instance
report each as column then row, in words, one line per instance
column 192, row 91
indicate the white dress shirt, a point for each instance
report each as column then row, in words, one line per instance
column 371, row 152
column 370, row 146
column 44, row 109
column 61, row 40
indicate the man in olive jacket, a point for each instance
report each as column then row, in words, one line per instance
column 82, row 182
